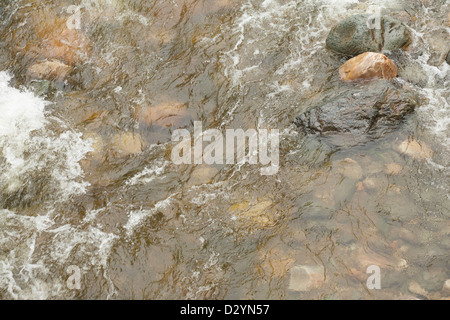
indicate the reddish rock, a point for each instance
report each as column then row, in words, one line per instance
column 368, row 65
column 47, row 36
column 60, row 42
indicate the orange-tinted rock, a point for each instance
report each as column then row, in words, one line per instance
column 164, row 114
column 49, row 70
column 49, row 37
column 62, row 43
column 368, row 65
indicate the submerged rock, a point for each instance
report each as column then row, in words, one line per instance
column 169, row 114
column 415, row 288
column 202, row 174
column 446, row 288
column 46, row 35
column 350, row 169
column 393, row 168
column 49, row 70
column 360, row 110
column 367, row 66
column 257, row 214
column 127, row 143
column 416, row 149
column 305, row 278
column 352, row 36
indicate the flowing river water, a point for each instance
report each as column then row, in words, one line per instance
column 87, row 183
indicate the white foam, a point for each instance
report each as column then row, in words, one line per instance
column 148, row 174
column 28, row 148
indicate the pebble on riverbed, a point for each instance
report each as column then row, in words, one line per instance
column 361, row 111
column 446, row 288
column 307, row 277
column 259, row 213
column 393, row 168
column 350, row 169
column 416, row 149
column 168, row 114
column 127, row 143
column 415, row 288
column 202, row 174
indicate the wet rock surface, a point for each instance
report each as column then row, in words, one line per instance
column 361, row 110
column 352, row 36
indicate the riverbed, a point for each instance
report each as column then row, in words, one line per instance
column 88, row 186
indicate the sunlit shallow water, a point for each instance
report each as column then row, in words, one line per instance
column 86, row 181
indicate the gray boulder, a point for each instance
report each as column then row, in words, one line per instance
column 363, row 110
column 352, row 36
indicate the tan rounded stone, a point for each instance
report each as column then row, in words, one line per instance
column 393, row 168
column 127, row 143
column 49, row 70
column 350, row 169
column 165, row 114
column 416, row 149
column 305, row 278
column 202, row 174
column 446, row 288
column 415, row 288
column 259, row 214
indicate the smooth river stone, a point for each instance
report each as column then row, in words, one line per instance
column 368, row 65
column 352, row 36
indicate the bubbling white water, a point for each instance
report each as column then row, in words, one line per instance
column 28, row 148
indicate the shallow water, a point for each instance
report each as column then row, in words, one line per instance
column 87, row 182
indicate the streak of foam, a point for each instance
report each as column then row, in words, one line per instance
column 136, row 217
column 29, row 148
column 25, row 274
column 435, row 113
column 149, row 173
